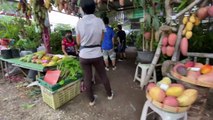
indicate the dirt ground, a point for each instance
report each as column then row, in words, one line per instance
column 20, row 103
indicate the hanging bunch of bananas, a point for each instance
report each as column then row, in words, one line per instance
column 39, row 12
column 25, row 8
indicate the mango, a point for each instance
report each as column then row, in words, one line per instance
column 208, row 77
column 188, row 34
column 189, row 26
column 174, row 91
column 150, row 85
column 165, row 80
column 206, row 69
column 184, row 32
column 185, row 19
column 188, row 97
column 192, row 18
column 171, row 101
column 197, row 21
column 157, row 94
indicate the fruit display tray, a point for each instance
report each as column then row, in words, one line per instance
column 166, row 107
column 194, row 82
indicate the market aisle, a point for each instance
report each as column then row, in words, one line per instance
column 126, row 105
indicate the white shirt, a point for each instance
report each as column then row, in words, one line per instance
column 90, row 29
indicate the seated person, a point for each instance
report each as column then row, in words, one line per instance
column 69, row 46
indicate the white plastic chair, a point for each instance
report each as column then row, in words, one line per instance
column 163, row 114
column 141, row 77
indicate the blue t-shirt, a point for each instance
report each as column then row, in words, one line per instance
column 107, row 42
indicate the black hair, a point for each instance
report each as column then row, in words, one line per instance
column 88, row 6
column 119, row 27
column 106, row 20
column 68, row 31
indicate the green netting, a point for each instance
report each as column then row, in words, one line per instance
column 17, row 62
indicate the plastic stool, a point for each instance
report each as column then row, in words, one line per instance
column 163, row 114
column 141, row 77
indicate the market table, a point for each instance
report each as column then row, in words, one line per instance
column 18, row 63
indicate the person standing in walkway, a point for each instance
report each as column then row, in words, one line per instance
column 121, row 35
column 107, row 45
column 90, row 32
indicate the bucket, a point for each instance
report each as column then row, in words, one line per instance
column 6, row 54
column 145, row 57
column 15, row 53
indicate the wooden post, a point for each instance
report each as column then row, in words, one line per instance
column 155, row 59
column 176, row 54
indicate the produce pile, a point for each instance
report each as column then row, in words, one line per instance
column 196, row 72
column 168, row 44
column 171, row 94
column 47, row 60
column 190, row 20
column 70, row 68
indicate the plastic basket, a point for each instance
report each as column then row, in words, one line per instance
column 62, row 95
column 166, row 107
column 56, row 86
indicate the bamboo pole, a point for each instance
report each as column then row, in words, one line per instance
column 203, row 55
column 155, row 59
column 176, row 54
column 187, row 8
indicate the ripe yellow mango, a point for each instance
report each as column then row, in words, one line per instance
column 184, row 32
column 188, row 34
column 192, row 18
column 174, row 91
column 197, row 21
column 189, row 26
column 185, row 19
column 188, row 97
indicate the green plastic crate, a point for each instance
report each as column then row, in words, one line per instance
column 56, row 86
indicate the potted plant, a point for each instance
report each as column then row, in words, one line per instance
column 149, row 26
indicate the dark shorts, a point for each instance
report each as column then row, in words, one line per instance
column 121, row 48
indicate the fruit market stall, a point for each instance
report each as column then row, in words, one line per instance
column 190, row 73
column 61, row 77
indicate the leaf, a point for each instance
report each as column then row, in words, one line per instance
column 27, row 106
column 151, row 11
column 148, row 20
column 143, row 3
column 156, row 23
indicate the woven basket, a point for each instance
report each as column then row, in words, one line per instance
column 194, row 82
column 166, row 107
column 61, row 96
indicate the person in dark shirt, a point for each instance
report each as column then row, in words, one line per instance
column 121, row 35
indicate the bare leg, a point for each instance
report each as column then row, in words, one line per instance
column 106, row 63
